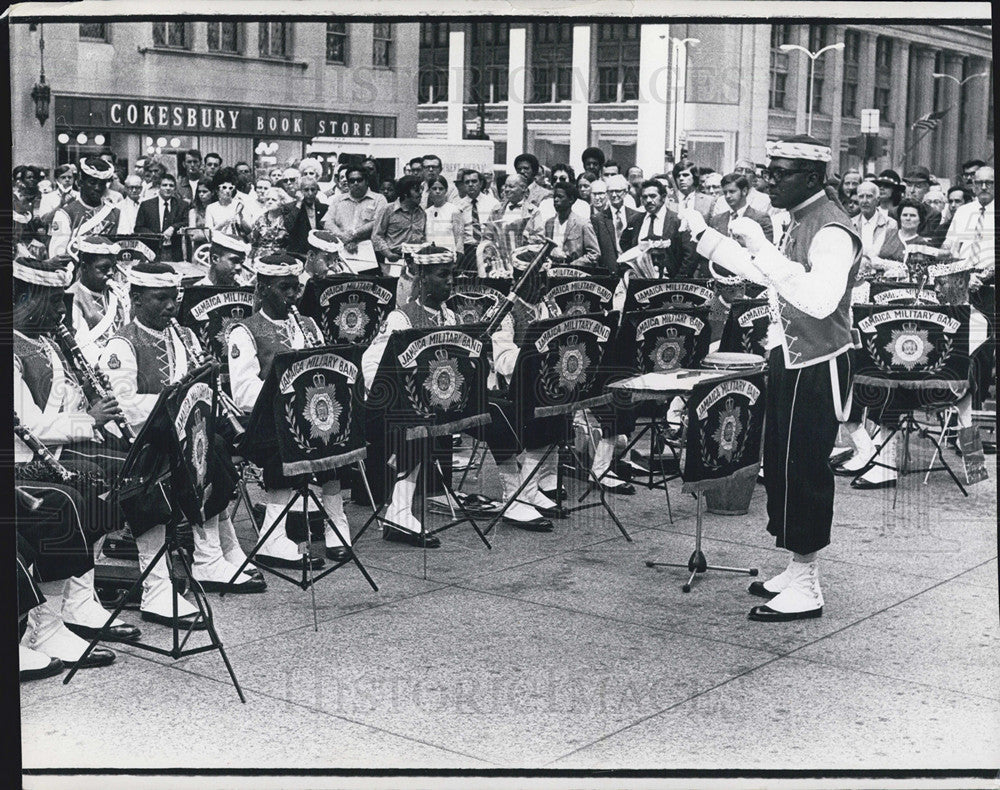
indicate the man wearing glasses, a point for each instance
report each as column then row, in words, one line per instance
column 431, row 169
column 352, row 218
column 971, row 235
column 476, row 206
column 809, row 380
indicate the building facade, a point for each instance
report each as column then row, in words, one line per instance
column 250, row 91
column 642, row 92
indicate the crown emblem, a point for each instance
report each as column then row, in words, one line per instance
column 730, row 404
column 909, row 326
column 237, row 313
column 671, row 332
column 319, row 380
column 440, row 354
column 676, row 298
column 353, row 298
column 571, row 340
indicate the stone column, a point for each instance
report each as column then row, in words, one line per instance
column 974, row 109
column 923, row 95
column 517, row 65
column 898, row 100
column 654, row 90
column 456, row 81
column 833, row 92
column 946, row 135
column 579, row 126
column 798, row 73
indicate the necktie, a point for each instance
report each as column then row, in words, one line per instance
column 477, row 231
column 166, row 213
column 977, row 238
column 619, row 225
column 649, row 234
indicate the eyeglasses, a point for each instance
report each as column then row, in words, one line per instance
column 982, row 182
column 776, row 174
column 746, row 171
column 356, row 180
column 616, row 191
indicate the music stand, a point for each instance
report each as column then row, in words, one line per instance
column 900, row 293
column 474, row 298
column 725, row 421
column 922, row 351
column 557, row 373
column 349, row 308
column 309, row 414
column 580, row 295
column 657, row 341
column 652, row 294
column 173, row 448
column 430, row 382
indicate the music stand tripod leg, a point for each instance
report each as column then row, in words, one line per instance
column 453, row 500
column 374, row 517
column 262, row 538
column 602, row 494
column 327, row 521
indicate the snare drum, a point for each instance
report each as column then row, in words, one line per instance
column 731, row 360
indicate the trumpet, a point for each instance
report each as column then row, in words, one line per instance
column 96, row 378
column 48, row 460
column 227, row 405
column 311, row 340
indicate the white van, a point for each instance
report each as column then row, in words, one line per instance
column 391, row 153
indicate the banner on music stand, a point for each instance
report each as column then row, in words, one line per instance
column 724, row 428
column 579, row 296
column 658, row 341
column 745, row 330
column 883, row 293
column 431, row 381
column 473, row 298
column 559, row 364
column 310, row 411
column 210, row 311
column 652, row 294
column 913, row 347
column 348, row 308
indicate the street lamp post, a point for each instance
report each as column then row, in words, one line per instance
column 812, row 73
column 680, row 49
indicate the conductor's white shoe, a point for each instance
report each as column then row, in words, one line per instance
column 801, row 599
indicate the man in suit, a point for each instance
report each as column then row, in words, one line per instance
column 187, row 185
column 872, row 223
column 303, row 215
column 735, row 190
column 163, row 215
column 618, row 211
column 918, row 183
column 604, row 227
column 659, row 228
column 576, row 242
column 687, row 178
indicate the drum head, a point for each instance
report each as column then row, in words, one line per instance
column 732, row 360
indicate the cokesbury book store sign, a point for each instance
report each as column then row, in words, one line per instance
column 79, row 112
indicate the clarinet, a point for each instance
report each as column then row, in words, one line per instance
column 313, row 342
column 501, row 309
column 45, row 455
column 227, row 405
column 96, row 378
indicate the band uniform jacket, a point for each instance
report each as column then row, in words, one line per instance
column 679, row 259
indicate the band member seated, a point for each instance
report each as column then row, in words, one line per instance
column 323, row 257
column 32, row 664
column 141, row 360
column 100, row 303
column 809, row 289
column 951, row 281
column 49, row 401
column 227, row 256
column 89, row 214
column 252, row 346
column 435, row 273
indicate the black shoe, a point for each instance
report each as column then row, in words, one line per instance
column 840, row 471
column 99, row 657
column 338, row 553
column 989, row 448
column 617, row 487
column 865, row 485
column 758, row 589
column 535, row 525
column 765, row 614
column 116, row 633
column 121, row 548
column 182, row 622
column 838, row 458
column 396, row 535
column 552, row 493
column 551, row 512
column 54, row 667
column 279, row 562
column 252, row 585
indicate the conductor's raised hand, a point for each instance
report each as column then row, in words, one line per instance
column 691, row 220
column 748, row 233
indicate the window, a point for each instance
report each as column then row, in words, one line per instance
column 489, row 52
column 170, row 34
column 552, row 63
column 852, row 61
column 818, row 40
column 617, row 63
column 432, row 87
column 382, row 49
column 336, row 42
column 883, row 73
column 224, row 37
column 94, row 31
column 779, row 67
column 817, row 93
column 273, row 40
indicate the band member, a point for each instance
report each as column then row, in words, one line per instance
column 252, row 346
column 141, row 360
column 100, row 303
column 89, row 214
column 808, row 284
column 435, row 273
column 323, row 257
column 227, row 256
column 50, row 403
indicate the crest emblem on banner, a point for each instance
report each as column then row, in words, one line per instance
column 909, row 346
column 725, row 443
column 352, row 319
column 322, row 411
column 444, row 380
column 573, row 363
column 577, row 305
column 199, row 447
column 668, row 351
column 236, row 314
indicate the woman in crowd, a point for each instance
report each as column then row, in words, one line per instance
column 268, row 234
column 583, row 182
column 445, row 224
column 226, row 213
column 204, row 196
column 910, row 216
column 890, row 189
